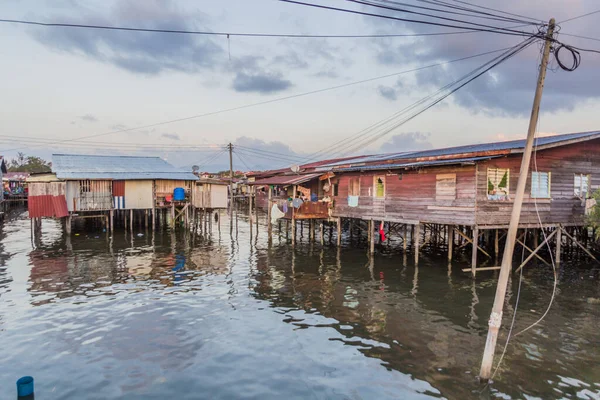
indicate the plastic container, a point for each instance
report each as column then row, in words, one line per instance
column 25, row 386
column 179, row 194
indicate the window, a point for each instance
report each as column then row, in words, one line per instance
column 540, row 185
column 334, row 189
column 354, row 187
column 445, row 187
column 581, row 185
column 84, row 186
column 379, row 186
column 497, row 183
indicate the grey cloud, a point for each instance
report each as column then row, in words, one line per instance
column 407, row 141
column 139, row 52
column 260, row 82
column 260, row 159
column 89, row 118
column 507, row 90
column 172, row 136
column 388, row 93
column 327, row 73
column 291, row 59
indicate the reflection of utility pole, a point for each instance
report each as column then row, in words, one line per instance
column 505, row 270
column 230, row 147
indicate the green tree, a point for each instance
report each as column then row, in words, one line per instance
column 593, row 218
column 31, row 164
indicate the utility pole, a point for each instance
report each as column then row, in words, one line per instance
column 505, row 270
column 230, row 147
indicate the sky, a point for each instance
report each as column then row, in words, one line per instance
column 86, row 91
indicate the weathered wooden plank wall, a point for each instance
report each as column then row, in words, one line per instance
column 411, row 196
column 563, row 207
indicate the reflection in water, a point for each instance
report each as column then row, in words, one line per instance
column 178, row 315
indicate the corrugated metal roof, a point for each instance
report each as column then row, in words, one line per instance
column 45, row 177
column 512, row 146
column 461, row 161
column 74, row 166
column 285, row 179
column 15, row 176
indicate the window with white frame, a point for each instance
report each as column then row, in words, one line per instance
column 581, row 185
column 498, row 180
column 540, row 185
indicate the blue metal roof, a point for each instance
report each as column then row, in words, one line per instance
column 418, row 164
column 512, row 146
column 75, row 166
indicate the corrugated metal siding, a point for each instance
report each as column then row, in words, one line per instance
column 118, row 188
column 138, row 195
column 89, row 195
column 47, row 206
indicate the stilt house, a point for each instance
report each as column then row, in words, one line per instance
column 95, row 186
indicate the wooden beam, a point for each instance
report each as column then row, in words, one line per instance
column 416, row 237
column 474, row 251
column 481, row 269
column 531, row 251
column 450, row 242
column 468, row 239
column 534, row 253
column 580, row 245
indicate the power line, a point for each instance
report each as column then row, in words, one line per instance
column 343, row 142
column 580, row 16
column 225, row 34
column 494, row 62
column 581, row 37
column 243, row 162
column 493, row 9
column 429, row 15
column 504, row 31
column 264, row 102
column 473, row 13
column 268, row 152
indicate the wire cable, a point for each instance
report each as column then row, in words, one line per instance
column 580, row 16
column 469, row 13
column 494, row 9
column 504, row 31
column 293, row 96
column 430, row 15
column 224, row 34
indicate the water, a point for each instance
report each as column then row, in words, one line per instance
column 143, row 317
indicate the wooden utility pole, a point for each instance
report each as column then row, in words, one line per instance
column 505, row 270
column 230, row 147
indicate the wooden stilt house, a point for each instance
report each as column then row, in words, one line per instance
column 97, row 186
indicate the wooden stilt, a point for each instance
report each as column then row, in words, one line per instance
column 311, row 228
column 496, row 246
column 322, row 233
column 558, row 244
column 371, row 237
column 68, row 224
column 416, row 246
column 474, row 251
column 450, row 242
column 131, row 220
column 339, row 231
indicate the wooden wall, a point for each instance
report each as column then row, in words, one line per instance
column 410, row 198
column 563, row 207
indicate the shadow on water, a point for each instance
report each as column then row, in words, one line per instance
column 224, row 315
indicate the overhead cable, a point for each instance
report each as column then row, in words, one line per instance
column 225, row 34
column 580, row 16
column 499, row 30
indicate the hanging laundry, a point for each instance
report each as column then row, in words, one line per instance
column 352, row 201
column 297, row 202
column 285, row 207
column 381, row 232
column 276, row 213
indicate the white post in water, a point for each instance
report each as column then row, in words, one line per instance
column 496, row 315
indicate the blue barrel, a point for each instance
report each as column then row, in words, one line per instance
column 25, row 386
column 179, row 194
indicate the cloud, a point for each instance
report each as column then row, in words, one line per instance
column 138, row 52
column 260, row 82
column 508, row 89
column 291, row 60
column 407, row 141
column 388, row 93
column 172, row 136
column 88, row 118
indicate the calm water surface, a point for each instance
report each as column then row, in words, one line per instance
column 168, row 316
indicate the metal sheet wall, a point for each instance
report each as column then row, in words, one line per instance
column 138, row 195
